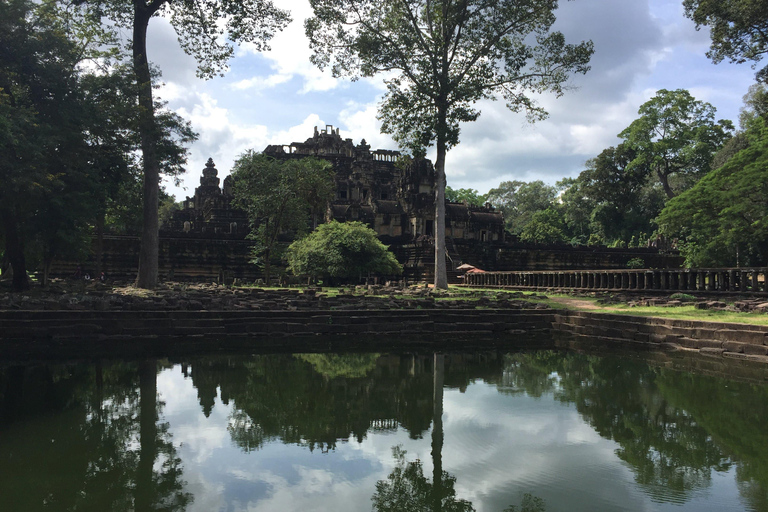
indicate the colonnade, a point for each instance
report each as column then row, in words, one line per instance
column 735, row 280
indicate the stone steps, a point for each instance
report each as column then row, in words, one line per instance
column 708, row 338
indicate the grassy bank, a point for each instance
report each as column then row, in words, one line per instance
column 683, row 312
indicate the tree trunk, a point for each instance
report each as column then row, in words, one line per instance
column 438, row 377
column 14, row 249
column 441, row 275
column 47, row 262
column 148, row 255
column 143, row 500
column 99, row 244
column 664, row 179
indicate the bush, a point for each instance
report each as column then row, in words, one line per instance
column 341, row 250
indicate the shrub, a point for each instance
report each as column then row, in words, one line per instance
column 341, row 250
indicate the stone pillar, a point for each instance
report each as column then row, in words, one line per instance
column 756, row 280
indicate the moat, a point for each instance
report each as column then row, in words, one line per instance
column 537, row 430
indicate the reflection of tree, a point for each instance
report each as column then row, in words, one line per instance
column 90, row 457
column 317, row 399
column 674, row 428
column 341, row 365
column 734, row 414
column 529, row 503
column 406, row 489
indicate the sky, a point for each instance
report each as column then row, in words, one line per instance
column 278, row 97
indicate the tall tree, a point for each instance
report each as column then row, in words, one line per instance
column 206, row 29
column 279, row 196
column 738, row 29
column 469, row 195
column 675, row 136
column 442, row 57
column 44, row 129
column 723, row 219
column 519, row 201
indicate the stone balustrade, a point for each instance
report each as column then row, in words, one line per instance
column 730, row 280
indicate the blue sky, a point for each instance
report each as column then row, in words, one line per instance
column 278, row 97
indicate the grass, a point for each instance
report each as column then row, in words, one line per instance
column 687, row 312
column 691, row 313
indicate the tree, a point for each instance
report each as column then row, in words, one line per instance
column 43, row 133
column 206, row 30
column 442, row 57
column 623, row 199
column 469, row 195
column 406, row 489
column 546, row 227
column 755, row 105
column 738, row 29
column 518, row 201
column 345, row 250
column 723, row 219
column 675, row 137
column 279, row 196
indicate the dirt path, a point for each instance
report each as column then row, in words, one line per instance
column 583, row 304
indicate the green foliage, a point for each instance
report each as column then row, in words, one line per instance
column 280, row 196
column 529, row 503
column 755, row 105
column 612, row 198
column 469, row 195
column 545, row 227
column 683, row 297
column 341, row 250
column 447, row 57
column 441, row 58
column 636, row 263
column 332, row 366
column 675, row 138
column 519, row 201
column 738, row 29
column 722, row 219
column 406, row 489
column 206, row 30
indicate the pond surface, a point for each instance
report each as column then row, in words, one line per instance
column 533, row 432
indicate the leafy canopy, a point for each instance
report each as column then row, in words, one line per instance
column 675, row 137
column 738, row 29
column 345, row 250
column 443, row 56
column 279, row 196
column 459, row 195
column 518, row 201
column 206, row 28
column 723, row 219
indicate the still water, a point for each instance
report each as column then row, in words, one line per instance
column 533, row 432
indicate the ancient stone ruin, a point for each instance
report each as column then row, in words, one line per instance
column 393, row 194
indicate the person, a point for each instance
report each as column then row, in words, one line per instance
column 78, row 272
column 102, row 277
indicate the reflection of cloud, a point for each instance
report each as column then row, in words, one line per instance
column 192, row 432
column 500, row 446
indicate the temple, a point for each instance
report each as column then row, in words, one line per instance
column 392, row 194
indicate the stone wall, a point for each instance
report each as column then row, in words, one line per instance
column 54, row 334
column 747, row 342
column 187, row 256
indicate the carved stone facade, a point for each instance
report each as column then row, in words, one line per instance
column 392, row 194
column 210, row 212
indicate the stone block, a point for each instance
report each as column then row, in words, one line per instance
column 757, row 350
column 709, row 344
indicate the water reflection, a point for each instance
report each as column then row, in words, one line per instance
column 453, row 432
column 86, row 438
